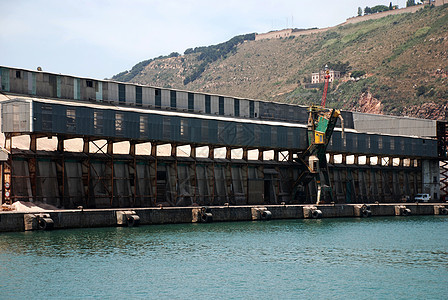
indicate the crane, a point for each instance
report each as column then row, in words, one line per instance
column 327, row 80
column 313, row 161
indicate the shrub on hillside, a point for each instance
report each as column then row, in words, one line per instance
column 421, row 90
column 340, row 66
column 357, row 74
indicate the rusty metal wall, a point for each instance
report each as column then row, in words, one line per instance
column 186, row 181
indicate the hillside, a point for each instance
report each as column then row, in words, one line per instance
column 405, row 58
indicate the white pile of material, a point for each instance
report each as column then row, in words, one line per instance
column 22, row 206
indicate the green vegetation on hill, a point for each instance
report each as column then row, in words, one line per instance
column 129, row 75
column 210, row 54
column 399, row 61
column 206, row 55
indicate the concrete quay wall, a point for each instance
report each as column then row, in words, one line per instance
column 87, row 218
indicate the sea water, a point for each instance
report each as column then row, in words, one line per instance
column 375, row 258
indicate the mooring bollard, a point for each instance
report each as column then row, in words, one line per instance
column 261, row 213
column 128, row 218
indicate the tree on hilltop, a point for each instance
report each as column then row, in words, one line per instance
column 379, row 8
column 367, row 10
column 359, row 11
column 410, row 3
column 390, row 6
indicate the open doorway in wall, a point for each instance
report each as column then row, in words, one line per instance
column 161, row 185
column 270, row 186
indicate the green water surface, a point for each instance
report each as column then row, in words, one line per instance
column 375, row 258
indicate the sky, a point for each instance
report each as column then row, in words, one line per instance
column 100, row 38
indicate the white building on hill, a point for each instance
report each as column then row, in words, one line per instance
column 319, row 77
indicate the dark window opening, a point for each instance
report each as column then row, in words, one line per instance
column 122, row 93
column 221, row 106
column 89, row 83
column 190, row 102
column 173, row 99
column 18, row 75
column 208, row 109
column 161, row 175
column 251, row 109
column 236, row 105
column 158, row 98
column 138, row 95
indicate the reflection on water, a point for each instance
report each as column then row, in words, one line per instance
column 398, row 258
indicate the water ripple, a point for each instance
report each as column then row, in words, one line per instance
column 407, row 258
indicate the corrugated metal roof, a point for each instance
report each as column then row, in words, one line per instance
column 145, row 85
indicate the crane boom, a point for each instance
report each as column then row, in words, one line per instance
column 324, row 96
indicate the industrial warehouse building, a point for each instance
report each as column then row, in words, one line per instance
column 391, row 157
